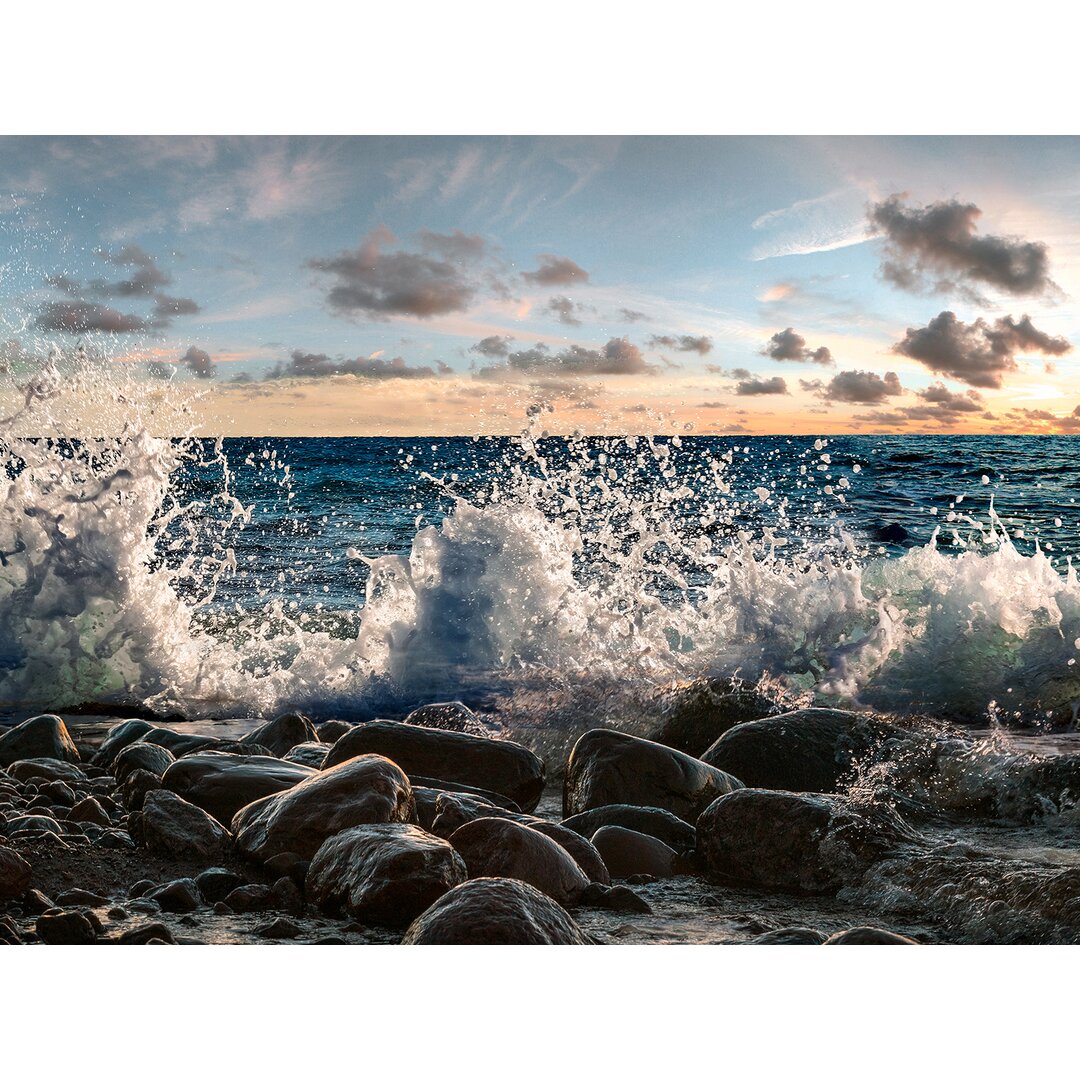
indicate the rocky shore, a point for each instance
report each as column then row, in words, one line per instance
column 734, row 823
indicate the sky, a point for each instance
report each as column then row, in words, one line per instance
column 443, row 285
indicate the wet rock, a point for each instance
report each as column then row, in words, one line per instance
column 65, row 928
column 494, row 911
column 147, row 934
column 115, row 839
column 869, row 935
column 503, row 767
column 453, row 809
column 145, row 907
column 141, row 888
column 286, row 896
column 80, row 898
column 180, row 743
column 216, row 883
column 29, row 824
column 332, row 730
column 361, row 791
column 279, row 930
column 608, row 767
column 791, row 935
column 806, row 750
column 627, row 853
column 9, row 931
column 224, row 783
column 578, row 848
column 282, row 733
column 695, row 715
column 450, row 716
column 15, row 874
column 173, row 827
column 496, row 847
column 492, row 797
column 116, row 738
column 383, row 874
column 136, row 786
column 662, row 824
column 44, row 736
column 796, row 842
column 35, row 902
column 91, row 811
column 118, row 913
column 248, row 898
column 289, row 864
column 614, row 898
column 311, row 754
column 58, row 794
column 47, row 769
column 177, row 896
column 141, row 755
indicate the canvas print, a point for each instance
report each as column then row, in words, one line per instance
column 539, row 540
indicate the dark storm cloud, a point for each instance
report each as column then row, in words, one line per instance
column 495, row 346
column 978, row 353
column 318, row 365
column 860, row 387
column 554, row 270
column 682, row 343
column 937, row 248
column 788, row 345
column 378, row 283
column 198, row 362
column 618, row 357
column 81, row 317
column 756, row 387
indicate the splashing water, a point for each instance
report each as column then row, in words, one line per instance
column 620, row 564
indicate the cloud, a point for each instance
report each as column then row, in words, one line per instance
column 495, row 346
column 787, row 345
column 682, row 343
column 631, row 316
column 379, row 284
column 554, row 270
column 756, row 387
column 146, row 280
column 618, row 357
column 82, row 317
column 860, row 387
column 978, row 353
column 319, row 365
column 457, row 246
column 938, row 404
column 937, row 248
column 198, row 361
column 566, row 310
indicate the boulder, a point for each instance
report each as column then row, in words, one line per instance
column 796, row 842
column 224, row 783
column 151, row 933
column 91, row 811
column 662, row 824
column 449, row 716
column 180, row 743
column 15, row 874
column 152, row 758
column 506, row 768
column 365, row 790
column 117, row 737
column 136, row 786
column 178, row 896
column 492, row 797
column 282, row 733
column 790, row 935
column 577, row 847
column 216, row 883
column 449, row 810
column 44, row 736
column 496, row 847
column 331, row 730
column 607, row 767
column 627, row 853
column 869, row 935
column 66, row 928
column 175, row 828
column 46, row 769
column 693, row 716
column 805, row 750
column 494, row 911
column 311, row 754
column 614, row 898
column 383, row 874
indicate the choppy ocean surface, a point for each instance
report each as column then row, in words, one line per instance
column 924, row 574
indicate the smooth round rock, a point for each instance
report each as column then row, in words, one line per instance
column 869, row 935
column 494, row 911
column 627, row 853
column 664, row 825
column 44, row 736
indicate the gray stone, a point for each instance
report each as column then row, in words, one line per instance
column 44, row 736
column 173, row 827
